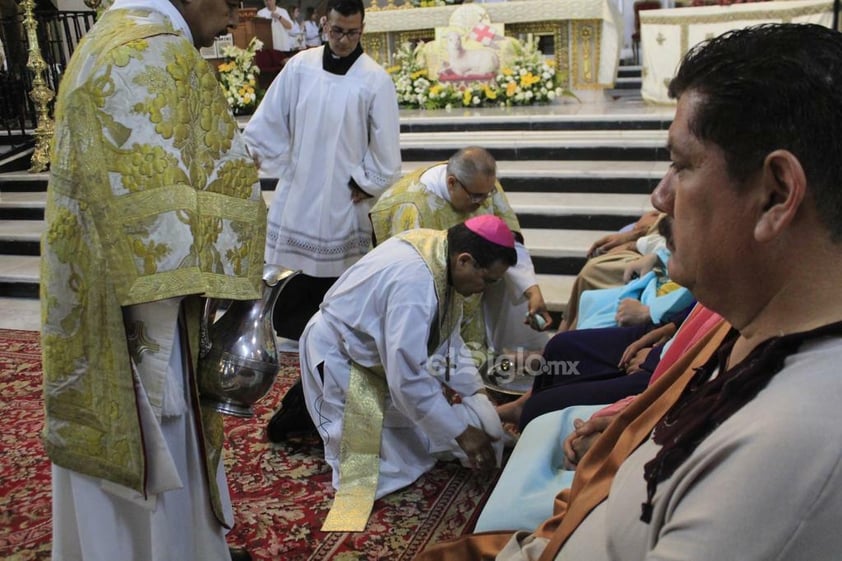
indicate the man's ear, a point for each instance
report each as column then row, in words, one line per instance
column 784, row 188
column 464, row 259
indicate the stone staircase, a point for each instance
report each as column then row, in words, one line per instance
column 573, row 172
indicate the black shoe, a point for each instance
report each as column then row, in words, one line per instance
column 239, row 554
column 292, row 417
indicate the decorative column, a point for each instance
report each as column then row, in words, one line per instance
column 41, row 94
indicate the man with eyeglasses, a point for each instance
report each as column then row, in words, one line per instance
column 328, row 130
column 449, row 193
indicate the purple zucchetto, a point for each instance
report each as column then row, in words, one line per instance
column 491, row 228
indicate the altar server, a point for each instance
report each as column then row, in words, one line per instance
column 328, row 130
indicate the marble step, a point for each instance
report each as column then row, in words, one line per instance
column 640, row 145
column 20, row 313
column 530, row 186
column 24, row 312
column 19, row 276
column 602, row 113
column 543, row 242
column 550, row 176
column 20, row 237
column 564, row 115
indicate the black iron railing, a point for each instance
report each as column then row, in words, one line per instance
column 58, row 35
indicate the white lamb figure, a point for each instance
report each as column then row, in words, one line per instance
column 465, row 62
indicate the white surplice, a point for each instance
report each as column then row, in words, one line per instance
column 314, row 131
column 281, row 36
column 379, row 313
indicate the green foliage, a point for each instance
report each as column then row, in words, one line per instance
column 528, row 80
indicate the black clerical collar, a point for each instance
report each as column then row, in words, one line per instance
column 340, row 65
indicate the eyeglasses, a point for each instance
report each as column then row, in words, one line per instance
column 475, row 198
column 338, row 33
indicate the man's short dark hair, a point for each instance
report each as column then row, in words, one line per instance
column 462, row 240
column 346, row 7
column 769, row 87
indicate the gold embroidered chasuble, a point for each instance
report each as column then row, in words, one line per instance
column 152, row 195
column 408, row 205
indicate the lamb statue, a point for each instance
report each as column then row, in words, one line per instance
column 470, row 62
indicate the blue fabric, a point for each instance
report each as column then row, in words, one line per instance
column 533, row 476
column 598, row 308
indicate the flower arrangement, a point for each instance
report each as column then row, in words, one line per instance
column 527, row 80
column 238, row 77
column 433, row 3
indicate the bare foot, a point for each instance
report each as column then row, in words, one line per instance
column 510, row 412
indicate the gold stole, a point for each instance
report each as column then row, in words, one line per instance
column 365, row 402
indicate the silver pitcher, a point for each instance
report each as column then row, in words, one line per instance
column 238, row 356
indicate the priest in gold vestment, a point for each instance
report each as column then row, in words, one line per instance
column 153, row 203
column 446, row 194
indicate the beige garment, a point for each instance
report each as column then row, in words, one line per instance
column 606, row 270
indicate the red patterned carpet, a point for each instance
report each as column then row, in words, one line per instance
column 281, row 495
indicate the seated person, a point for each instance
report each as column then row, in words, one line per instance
column 695, row 466
column 445, row 194
column 607, row 260
column 647, row 297
column 610, row 364
column 383, row 352
column 551, row 445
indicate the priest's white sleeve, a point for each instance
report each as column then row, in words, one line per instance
column 522, row 275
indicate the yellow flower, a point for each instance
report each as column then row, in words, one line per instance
column 418, row 73
column 226, row 66
column 393, row 69
column 528, row 79
column 489, row 93
column 466, row 97
column 435, row 89
column 511, row 89
column 507, row 71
